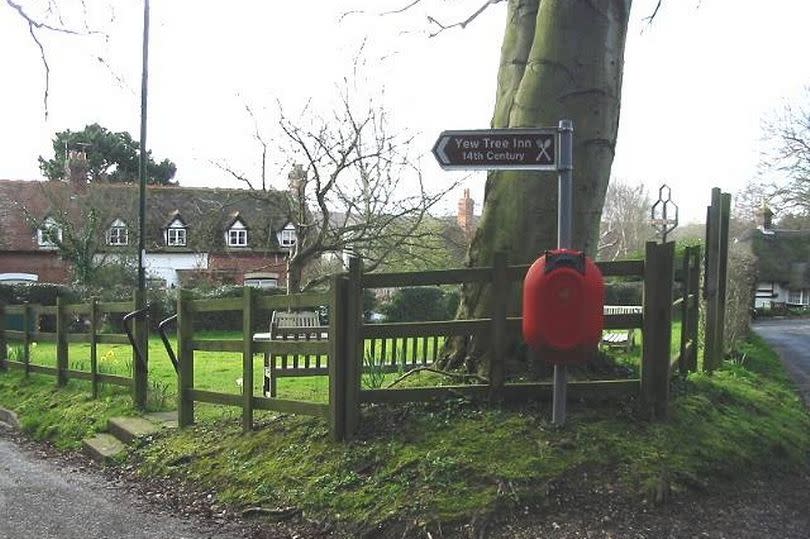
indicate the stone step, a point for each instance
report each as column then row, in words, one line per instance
column 129, row 429
column 163, row 419
column 103, row 447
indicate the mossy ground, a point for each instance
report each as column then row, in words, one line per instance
column 448, row 461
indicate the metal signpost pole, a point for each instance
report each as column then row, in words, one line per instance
column 565, row 215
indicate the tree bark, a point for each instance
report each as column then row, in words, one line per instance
column 559, row 59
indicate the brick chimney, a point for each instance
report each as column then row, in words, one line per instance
column 764, row 218
column 76, row 167
column 296, row 180
column 466, row 205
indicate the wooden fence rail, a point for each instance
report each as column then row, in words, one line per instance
column 91, row 312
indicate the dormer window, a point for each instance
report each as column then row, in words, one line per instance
column 118, row 234
column 237, row 234
column 287, row 237
column 176, row 233
column 49, row 234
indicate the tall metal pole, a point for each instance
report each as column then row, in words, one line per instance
column 565, row 216
column 142, row 155
column 140, row 368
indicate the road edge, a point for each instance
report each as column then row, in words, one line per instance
column 9, row 418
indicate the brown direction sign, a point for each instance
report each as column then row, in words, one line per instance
column 497, row 149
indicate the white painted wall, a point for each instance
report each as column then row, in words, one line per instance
column 764, row 298
column 165, row 265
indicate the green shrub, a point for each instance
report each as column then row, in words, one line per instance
column 421, row 304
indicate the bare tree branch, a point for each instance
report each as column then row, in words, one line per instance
column 463, row 23
column 649, row 18
column 402, row 9
column 34, row 25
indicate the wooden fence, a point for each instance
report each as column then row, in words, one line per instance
column 250, row 306
column 92, row 313
column 347, row 337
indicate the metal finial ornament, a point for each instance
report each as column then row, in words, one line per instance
column 661, row 217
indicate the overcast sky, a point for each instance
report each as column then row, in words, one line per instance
column 698, row 82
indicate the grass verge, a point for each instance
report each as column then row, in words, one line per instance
column 451, row 461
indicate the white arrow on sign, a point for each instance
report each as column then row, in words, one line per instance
column 440, row 153
column 498, row 149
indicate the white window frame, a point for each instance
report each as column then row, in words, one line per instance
column 237, row 235
column 794, row 297
column 176, row 237
column 48, row 224
column 262, row 282
column 287, row 237
column 177, row 234
column 118, row 234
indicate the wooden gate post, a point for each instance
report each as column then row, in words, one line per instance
column 354, row 345
column 247, row 358
column 185, row 359
column 658, row 276
column 337, row 358
column 710, row 280
column 61, row 342
column 722, row 272
column 717, row 223
column 500, row 299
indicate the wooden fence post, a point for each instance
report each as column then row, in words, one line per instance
column 140, row 368
column 61, row 342
column 722, row 271
column 710, row 281
column 185, row 359
column 247, row 358
column 658, row 278
column 3, row 345
column 354, row 345
column 27, row 311
column 337, row 351
column 94, row 345
column 694, row 317
column 500, row 306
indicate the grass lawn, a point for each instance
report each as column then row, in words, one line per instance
column 222, row 371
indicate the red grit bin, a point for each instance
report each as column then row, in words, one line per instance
column 563, row 301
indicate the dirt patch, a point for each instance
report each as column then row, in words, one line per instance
column 756, row 507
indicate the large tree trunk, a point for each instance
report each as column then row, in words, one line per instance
column 559, row 59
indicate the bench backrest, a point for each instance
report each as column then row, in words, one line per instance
column 301, row 325
column 623, row 309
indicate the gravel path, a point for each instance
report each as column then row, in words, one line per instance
column 42, row 499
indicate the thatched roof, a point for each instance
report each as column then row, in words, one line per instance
column 782, row 256
column 207, row 212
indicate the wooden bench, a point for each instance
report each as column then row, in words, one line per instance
column 296, row 326
column 621, row 338
column 381, row 355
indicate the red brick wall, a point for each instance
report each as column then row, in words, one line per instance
column 48, row 265
column 241, row 263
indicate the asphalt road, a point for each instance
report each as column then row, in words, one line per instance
column 791, row 339
column 39, row 499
